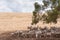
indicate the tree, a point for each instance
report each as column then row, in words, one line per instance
column 52, row 15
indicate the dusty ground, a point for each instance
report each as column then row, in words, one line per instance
column 18, row 21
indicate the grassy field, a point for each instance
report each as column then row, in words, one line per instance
column 18, row 21
column 14, row 21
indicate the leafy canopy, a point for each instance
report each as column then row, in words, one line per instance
column 52, row 14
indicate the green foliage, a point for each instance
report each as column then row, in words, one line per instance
column 35, row 18
column 46, row 3
column 37, row 6
column 52, row 15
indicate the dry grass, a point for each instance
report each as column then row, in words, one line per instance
column 14, row 21
column 18, row 21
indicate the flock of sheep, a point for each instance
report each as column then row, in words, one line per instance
column 37, row 32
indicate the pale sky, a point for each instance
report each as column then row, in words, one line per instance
column 17, row 5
